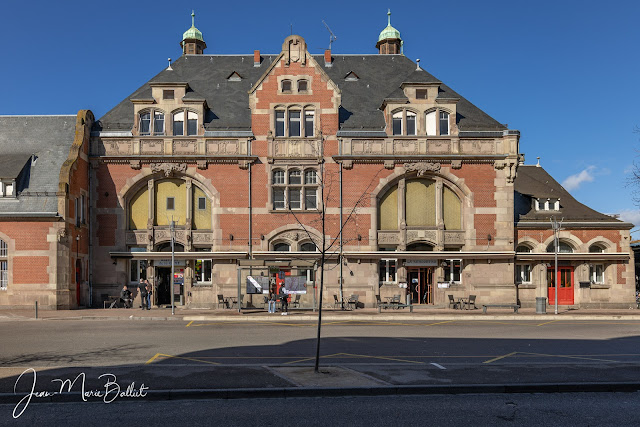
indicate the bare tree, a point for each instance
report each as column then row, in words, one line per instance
column 327, row 181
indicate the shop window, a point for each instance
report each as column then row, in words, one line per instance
column 387, row 270
column 523, row 273
column 137, row 268
column 452, row 270
column 596, row 273
column 202, row 270
column 4, row 270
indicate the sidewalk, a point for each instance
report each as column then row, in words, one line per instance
column 366, row 314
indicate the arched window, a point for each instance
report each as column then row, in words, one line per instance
column 281, row 247
column 397, row 123
column 294, row 122
column 4, row 268
column 308, row 247
column 523, row 248
column 178, row 123
column 563, row 248
column 411, row 123
column 151, row 122
column 302, row 86
column 431, row 123
column 596, row 248
column 444, row 123
column 420, row 247
column 286, row 86
column 278, row 176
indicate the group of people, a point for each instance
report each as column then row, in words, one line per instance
column 284, row 300
column 144, row 289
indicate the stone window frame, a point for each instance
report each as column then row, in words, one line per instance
column 306, row 84
column 4, row 265
column 451, row 264
column 285, row 186
column 403, row 114
column 152, row 118
column 286, row 110
column 387, row 269
column 286, row 86
column 204, row 281
column 437, row 111
column 185, row 129
column 523, row 273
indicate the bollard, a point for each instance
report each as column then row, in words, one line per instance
column 36, row 309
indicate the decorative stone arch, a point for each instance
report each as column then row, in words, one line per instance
column 605, row 243
column 563, row 237
column 457, row 185
column 294, row 235
column 529, row 242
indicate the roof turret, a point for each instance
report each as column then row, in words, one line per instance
column 389, row 32
column 192, row 41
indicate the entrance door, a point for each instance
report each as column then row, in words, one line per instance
column 421, row 285
column 163, row 285
column 565, row 292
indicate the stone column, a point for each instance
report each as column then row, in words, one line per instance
column 439, row 214
column 401, row 270
column 151, row 214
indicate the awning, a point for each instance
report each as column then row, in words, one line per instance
column 179, row 255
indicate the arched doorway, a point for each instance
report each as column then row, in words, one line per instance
column 162, row 275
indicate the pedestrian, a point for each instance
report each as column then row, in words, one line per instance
column 283, row 298
column 142, row 290
column 149, row 290
column 125, row 297
column 272, row 303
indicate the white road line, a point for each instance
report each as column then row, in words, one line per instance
column 438, row 365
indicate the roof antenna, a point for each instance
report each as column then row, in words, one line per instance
column 291, row 29
column 169, row 67
column 332, row 37
column 418, row 64
column 538, row 165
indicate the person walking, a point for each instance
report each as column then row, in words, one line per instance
column 149, row 289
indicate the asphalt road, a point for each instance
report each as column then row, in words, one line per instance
column 571, row 409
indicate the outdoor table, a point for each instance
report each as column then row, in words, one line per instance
column 462, row 302
column 232, row 301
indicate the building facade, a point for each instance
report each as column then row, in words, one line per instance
column 255, row 163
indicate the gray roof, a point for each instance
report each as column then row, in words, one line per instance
column 228, row 101
column 49, row 138
column 534, row 182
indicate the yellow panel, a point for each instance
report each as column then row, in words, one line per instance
column 139, row 210
column 421, row 203
column 388, row 210
column 201, row 218
column 175, row 188
column 452, row 210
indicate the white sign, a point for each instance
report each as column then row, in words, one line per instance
column 421, row 263
column 443, row 284
column 167, row 263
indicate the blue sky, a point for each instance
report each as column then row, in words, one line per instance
column 564, row 73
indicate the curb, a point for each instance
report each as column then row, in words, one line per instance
column 300, row 392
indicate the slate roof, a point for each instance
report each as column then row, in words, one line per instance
column 379, row 77
column 49, row 138
column 534, row 182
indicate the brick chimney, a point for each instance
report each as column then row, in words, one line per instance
column 256, row 58
column 327, row 58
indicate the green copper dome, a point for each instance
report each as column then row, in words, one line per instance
column 389, row 32
column 193, row 32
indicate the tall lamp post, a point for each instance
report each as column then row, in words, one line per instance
column 556, row 230
column 172, row 293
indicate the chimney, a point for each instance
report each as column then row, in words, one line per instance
column 327, row 58
column 256, row 58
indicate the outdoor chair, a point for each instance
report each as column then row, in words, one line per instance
column 224, row 302
column 265, row 302
column 336, row 301
column 453, row 303
column 471, row 301
column 296, row 302
column 353, row 300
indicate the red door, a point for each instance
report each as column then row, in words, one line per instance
column 565, row 292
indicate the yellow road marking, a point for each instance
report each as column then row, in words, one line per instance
column 546, row 323
column 500, row 357
column 439, row 323
column 153, row 358
column 312, row 358
column 382, row 357
column 189, row 324
column 568, row 357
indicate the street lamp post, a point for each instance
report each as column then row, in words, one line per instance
column 172, row 292
column 556, row 230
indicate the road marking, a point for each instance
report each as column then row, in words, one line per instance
column 438, row 323
column 189, row 324
column 364, row 356
column 168, row 356
column 437, row 365
column 563, row 356
column 546, row 323
column 311, row 358
column 153, row 358
column 500, row 357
